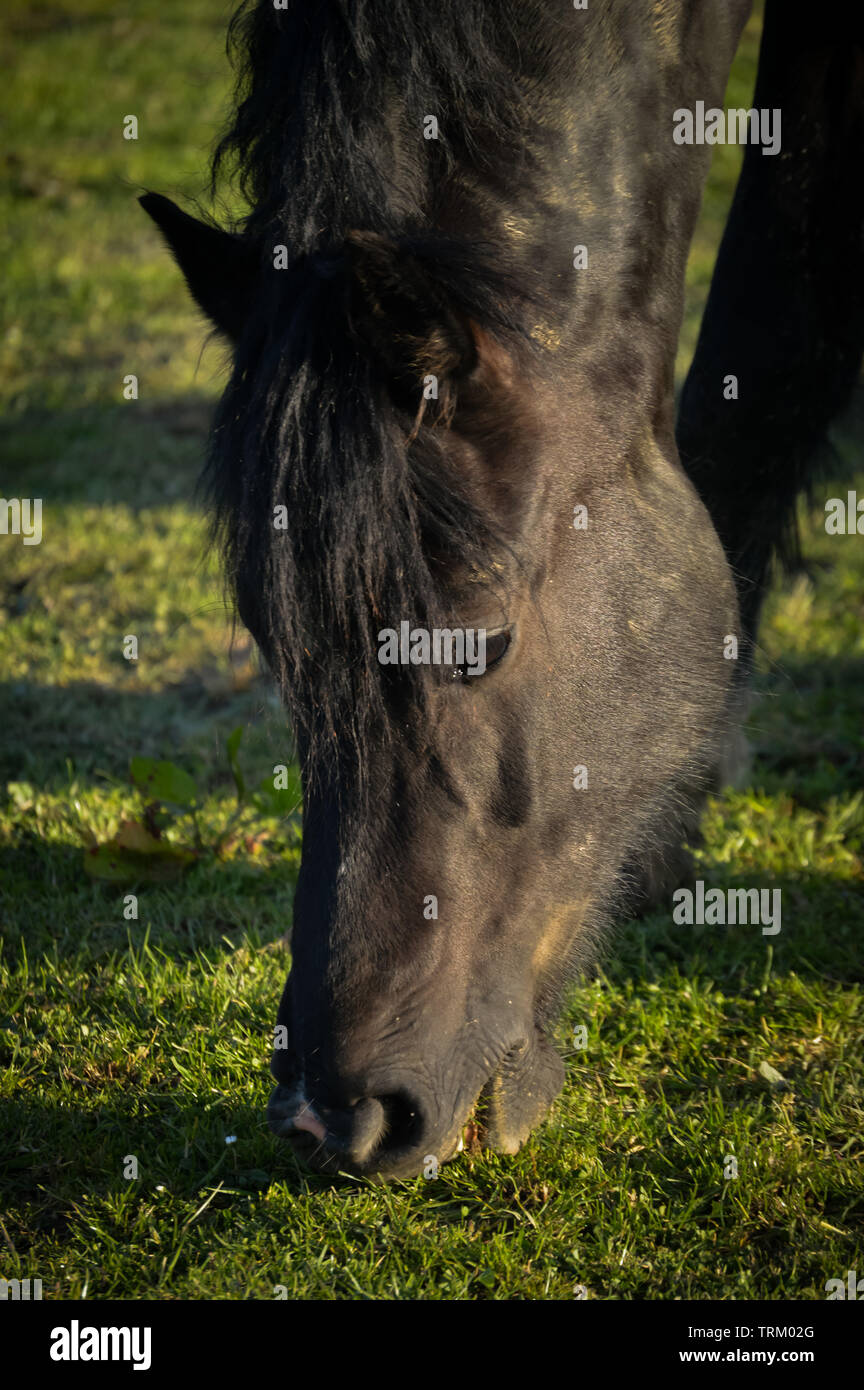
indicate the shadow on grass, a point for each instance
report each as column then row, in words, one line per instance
column 821, row 930
column 808, row 720
column 147, row 453
column 98, row 728
column 180, row 1145
column 71, row 749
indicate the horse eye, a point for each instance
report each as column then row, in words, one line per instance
column 496, row 645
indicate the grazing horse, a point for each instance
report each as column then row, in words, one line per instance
column 453, row 308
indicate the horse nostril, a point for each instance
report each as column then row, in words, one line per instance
column 356, row 1130
column 375, row 1127
column 366, row 1134
column 404, row 1120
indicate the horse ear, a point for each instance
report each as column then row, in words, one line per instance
column 397, row 311
column 220, row 269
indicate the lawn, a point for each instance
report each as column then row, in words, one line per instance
column 147, row 1037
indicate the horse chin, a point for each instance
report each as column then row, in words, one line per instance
column 519, row 1094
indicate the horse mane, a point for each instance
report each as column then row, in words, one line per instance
column 378, row 515
column 327, row 92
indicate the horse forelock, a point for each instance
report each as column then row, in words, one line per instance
column 339, row 514
column 376, row 516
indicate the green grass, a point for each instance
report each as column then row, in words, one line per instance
column 150, row 1036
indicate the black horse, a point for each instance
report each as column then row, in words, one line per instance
column 454, row 310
